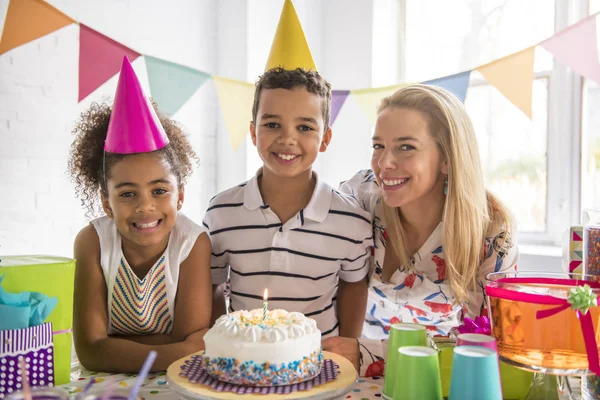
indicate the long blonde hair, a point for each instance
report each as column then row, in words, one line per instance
column 469, row 210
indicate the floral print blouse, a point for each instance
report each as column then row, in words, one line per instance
column 422, row 294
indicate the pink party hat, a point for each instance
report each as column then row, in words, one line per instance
column 134, row 127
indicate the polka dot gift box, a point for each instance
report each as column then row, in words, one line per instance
column 33, row 345
column 48, row 277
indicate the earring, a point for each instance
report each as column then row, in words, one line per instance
column 109, row 213
column 446, row 185
column 179, row 204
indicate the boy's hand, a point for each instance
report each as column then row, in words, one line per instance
column 345, row 347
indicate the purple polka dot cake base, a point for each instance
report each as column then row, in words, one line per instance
column 192, row 370
column 265, row 374
column 254, row 348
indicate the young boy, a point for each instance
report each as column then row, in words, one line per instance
column 285, row 230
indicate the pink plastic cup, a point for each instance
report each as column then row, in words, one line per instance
column 477, row 339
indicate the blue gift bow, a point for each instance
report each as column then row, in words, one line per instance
column 24, row 309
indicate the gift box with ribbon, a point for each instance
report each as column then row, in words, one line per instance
column 32, row 346
column 36, row 310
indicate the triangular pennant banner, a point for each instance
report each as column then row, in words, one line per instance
column 576, row 237
column 457, row 84
column 577, row 47
column 513, row 77
column 236, row 99
column 27, row 20
column 172, row 85
column 290, row 49
column 338, row 98
column 579, row 253
column 369, row 99
column 99, row 59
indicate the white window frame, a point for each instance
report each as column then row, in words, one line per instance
column 563, row 196
column 563, row 201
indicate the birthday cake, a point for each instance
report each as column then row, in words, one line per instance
column 258, row 349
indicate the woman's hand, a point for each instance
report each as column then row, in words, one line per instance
column 345, row 347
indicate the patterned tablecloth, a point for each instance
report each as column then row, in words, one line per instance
column 156, row 386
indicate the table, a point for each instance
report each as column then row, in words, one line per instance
column 156, row 387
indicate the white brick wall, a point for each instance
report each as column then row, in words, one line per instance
column 38, row 107
column 38, row 98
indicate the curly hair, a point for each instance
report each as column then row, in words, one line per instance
column 280, row 78
column 88, row 160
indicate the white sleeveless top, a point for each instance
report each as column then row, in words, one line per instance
column 143, row 306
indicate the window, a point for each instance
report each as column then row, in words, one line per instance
column 530, row 164
column 517, row 174
column 590, row 155
column 590, row 168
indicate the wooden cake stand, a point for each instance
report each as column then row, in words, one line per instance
column 344, row 383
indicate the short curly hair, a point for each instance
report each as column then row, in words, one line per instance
column 87, row 158
column 280, row 78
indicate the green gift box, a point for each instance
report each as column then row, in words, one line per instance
column 52, row 276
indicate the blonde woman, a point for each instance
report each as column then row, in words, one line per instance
column 437, row 231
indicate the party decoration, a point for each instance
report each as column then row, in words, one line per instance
column 457, row 84
column 28, row 20
column 582, row 298
column 236, row 99
column 290, row 49
column 338, row 98
column 577, row 47
column 134, row 126
column 172, row 85
column 513, row 77
column 478, row 325
column 369, row 99
column 99, row 59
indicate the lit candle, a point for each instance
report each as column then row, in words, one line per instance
column 265, row 297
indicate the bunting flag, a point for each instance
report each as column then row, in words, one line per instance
column 236, row 99
column 513, row 77
column 457, row 84
column 369, row 99
column 100, row 58
column 27, row 20
column 577, row 47
column 172, row 85
column 290, row 49
column 338, row 98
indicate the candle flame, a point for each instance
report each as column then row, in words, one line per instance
column 266, row 295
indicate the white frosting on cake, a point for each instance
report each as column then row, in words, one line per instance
column 281, row 337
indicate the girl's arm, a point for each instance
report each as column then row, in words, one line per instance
column 193, row 304
column 158, row 338
column 96, row 350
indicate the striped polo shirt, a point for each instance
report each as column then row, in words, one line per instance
column 299, row 261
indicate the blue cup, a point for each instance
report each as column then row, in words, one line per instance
column 475, row 374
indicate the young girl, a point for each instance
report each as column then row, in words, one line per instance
column 437, row 232
column 142, row 279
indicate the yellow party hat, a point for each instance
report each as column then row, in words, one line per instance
column 290, row 49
